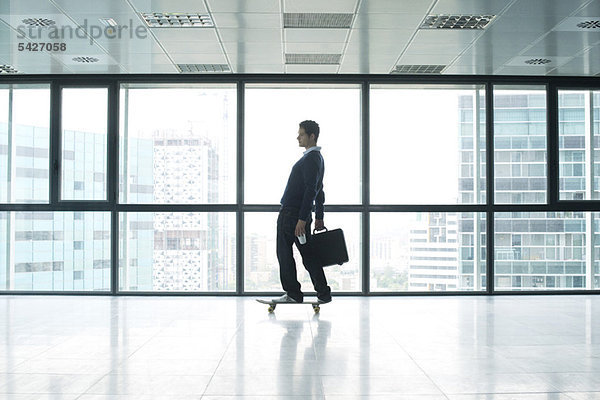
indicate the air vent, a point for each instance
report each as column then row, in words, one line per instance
column 418, row 69
column 85, row 59
column 538, row 61
column 328, row 59
column 7, row 69
column 589, row 24
column 456, row 21
column 178, row 20
column 39, row 22
column 317, row 20
column 203, row 67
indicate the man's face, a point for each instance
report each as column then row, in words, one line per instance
column 303, row 138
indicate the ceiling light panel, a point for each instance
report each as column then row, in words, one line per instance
column 579, row 24
column 325, row 59
column 418, row 69
column 317, row 20
column 456, row 21
column 8, row 69
column 177, row 20
column 203, row 68
column 320, row 6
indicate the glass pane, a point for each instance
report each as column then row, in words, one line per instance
column 261, row 267
column 427, row 251
column 177, row 144
column 579, row 144
column 84, row 136
column 176, row 251
column 520, row 144
column 427, row 144
column 24, row 143
column 271, row 149
column 538, row 251
column 55, row 251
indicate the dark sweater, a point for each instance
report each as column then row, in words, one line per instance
column 305, row 186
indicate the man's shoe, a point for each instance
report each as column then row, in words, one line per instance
column 284, row 299
column 321, row 301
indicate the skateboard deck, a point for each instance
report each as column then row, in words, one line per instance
column 315, row 304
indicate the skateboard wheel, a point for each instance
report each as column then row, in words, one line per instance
column 316, row 309
column 271, row 309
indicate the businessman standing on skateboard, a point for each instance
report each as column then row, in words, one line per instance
column 304, row 186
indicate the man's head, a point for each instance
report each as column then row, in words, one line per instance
column 308, row 134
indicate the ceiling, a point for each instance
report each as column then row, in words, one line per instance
column 249, row 36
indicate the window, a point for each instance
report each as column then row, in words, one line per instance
column 177, row 144
column 420, row 159
column 520, row 144
column 408, row 252
column 177, row 251
column 271, row 148
column 84, row 140
column 24, row 143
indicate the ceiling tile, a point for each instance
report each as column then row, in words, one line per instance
column 479, row 69
column 521, row 61
column 521, row 23
column 189, row 58
column 311, row 69
column 563, row 44
column 587, row 64
column 152, row 58
column 429, row 59
column 387, row 21
column 185, row 34
column 250, row 35
column 534, row 70
column 467, row 7
column 244, row 6
column 260, row 69
column 254, row 53
column 592, row 9
column 319, row 6
column 556, row 8
column 428, row 42
column 107, row 8
column 41, row 8
column 365, row 67
column 246, row 20
column 378, row 41
column 315, row 35
column 386, row 6
column 327, row 48
column 150, row 68
column 192, row 47
column 169, row 6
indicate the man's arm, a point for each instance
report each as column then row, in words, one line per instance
column 319, row 201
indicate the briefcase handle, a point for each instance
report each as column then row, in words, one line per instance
column 324, row 228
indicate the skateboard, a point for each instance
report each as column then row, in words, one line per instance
column 315, row 304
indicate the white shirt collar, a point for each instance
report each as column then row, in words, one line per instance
column 314, row 148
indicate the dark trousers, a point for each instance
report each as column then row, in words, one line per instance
column 286, row 225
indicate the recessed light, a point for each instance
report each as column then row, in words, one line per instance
column 317, row 20
column 418, row 69
column 39, row 22
column 538, row 61
column 456, row 21
column 321, row 59
column 589, row 24
column 178, row 20
column 8, row 69
column 203, row 68
column 85, row 59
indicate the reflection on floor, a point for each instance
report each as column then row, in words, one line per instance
column 505, row 347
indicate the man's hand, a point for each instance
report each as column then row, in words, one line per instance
column 319, row 225
column 300, row 228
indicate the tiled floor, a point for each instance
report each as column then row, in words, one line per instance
column 422, row 348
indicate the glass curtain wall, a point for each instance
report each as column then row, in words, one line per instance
column 182, row 217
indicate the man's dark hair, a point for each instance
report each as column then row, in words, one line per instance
column 310, row 127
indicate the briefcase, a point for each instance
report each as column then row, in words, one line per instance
column 328, row 248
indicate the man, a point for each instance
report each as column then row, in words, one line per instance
column 304, row 186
